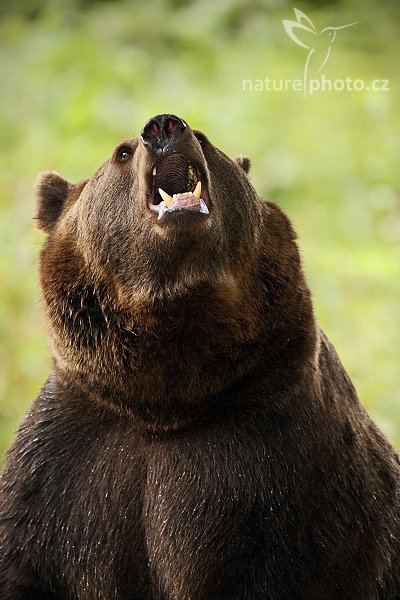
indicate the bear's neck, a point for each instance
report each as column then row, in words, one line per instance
column 168, row 363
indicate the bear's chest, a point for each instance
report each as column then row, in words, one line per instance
column 214, row 513
column 180, row 518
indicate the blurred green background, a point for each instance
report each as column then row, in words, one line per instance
column 79, row 77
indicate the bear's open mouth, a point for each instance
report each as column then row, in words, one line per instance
column 177, row 186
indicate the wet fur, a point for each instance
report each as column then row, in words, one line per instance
column 198, row 437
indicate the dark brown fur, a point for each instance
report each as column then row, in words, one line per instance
column 198, row 437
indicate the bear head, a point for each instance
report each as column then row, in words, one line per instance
column 166, row 279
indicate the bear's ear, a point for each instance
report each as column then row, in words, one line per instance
column 243, row 161
column 52, row 191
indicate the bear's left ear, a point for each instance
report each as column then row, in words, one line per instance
column 243, row 161
column 52, row 191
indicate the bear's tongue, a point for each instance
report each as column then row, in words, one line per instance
column 176, row 186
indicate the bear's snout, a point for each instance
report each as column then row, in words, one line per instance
column 161, row 131
column 173, row 156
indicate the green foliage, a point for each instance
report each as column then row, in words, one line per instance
column 79, row 77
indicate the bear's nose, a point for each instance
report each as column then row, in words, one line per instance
column 161, row 130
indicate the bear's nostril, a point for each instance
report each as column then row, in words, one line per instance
column 153, row 130
column 171, row 126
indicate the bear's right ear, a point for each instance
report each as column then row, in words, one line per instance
column 243, row 161
column 52, row 191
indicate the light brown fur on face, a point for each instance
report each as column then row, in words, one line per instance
column 198, row 437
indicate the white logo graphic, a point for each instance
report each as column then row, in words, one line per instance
column 319, row 44
column 304, row 33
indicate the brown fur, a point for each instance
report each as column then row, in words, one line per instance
column 198, row 438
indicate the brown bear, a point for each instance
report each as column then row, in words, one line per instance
column 198, row 437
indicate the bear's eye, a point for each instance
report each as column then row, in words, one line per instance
column 124, row 153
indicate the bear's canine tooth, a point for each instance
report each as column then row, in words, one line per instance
column 166, row 197
column 154, row 171
column 197, row 190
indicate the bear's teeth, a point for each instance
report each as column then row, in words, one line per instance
column 154, row 171
column 197, row 190
column 166, row 197
column 184, row 195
